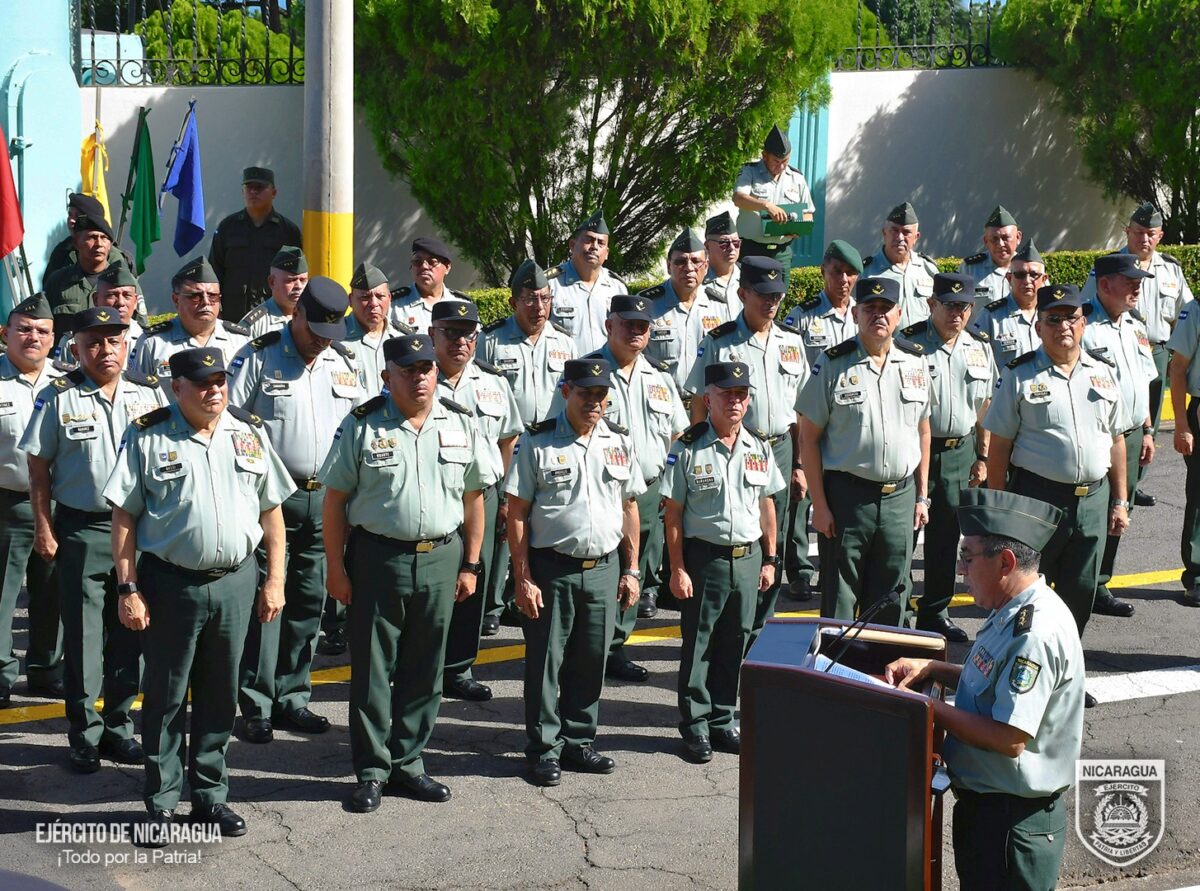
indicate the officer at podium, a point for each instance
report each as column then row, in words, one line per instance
column 1015, row 729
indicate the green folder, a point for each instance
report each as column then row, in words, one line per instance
column 796, row 225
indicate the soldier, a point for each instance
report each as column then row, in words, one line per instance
column 1115, row 331
column 69, row 289
column 72, row 441
column 370, row 323
column 413, row 304
column 301, row 381
column 245, row 242
column 1015, row 730
column 64, row 254
column 1009, row 321
column 191, row 592
column 724, row 247
column 582, row 286
column 989, row 269
column 898, row 260
column 1184, row 377
column 24, row 372
column 961, row 378
column 573, row 532
column 481, row 389
column 116, row 287
column 1057, row 424
column 404, row 474
column 286, row 281
column 865, row 449
column 196, row 294
column 717, row 488
column 684, row 309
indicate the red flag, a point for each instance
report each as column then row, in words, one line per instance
column 12, row 229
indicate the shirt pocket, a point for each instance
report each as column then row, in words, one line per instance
column 567, row 316
column 280, row 398
column 171, row 483
column 87, row 432
column 452, row 462
column 664, row 343
column 345, row 384
column 556, row 480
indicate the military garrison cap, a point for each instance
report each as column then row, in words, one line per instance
column 591, row 372
column 1008, row 515
column 1119, row 264
column 117, row 275
column 290, row 258
column 1147, row 215
column 264, row 175
column 196, row 270
column 197, row 364
column 595, row 223
column 686, row 242
column 452, row 310
column 35, row 307
column 954, row 287
column 721, row 224
column 846, row 252
column 325, row 303
column 408, row 350
column 367, row 277
column 86, row 204
column 97, row 317
column 727, row 375
column 626, row 306
column 903, row 215
column 88, row 223
column 763, row 275
column 877, row 289
column 1052, row 296
column 1000, row 218
column 529, row 275
column 1028, row 252
column 435, row 247
column 777, row 143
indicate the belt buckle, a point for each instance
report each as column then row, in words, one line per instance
column 424, row 547
column 888, row 488
column 588, row 564
column 1080, row 491
column 953, row 442
column 740, row 551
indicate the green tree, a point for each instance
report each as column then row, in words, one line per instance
column 1126, row 71
column 511, row 119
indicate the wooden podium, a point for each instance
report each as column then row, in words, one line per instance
column 838, row 777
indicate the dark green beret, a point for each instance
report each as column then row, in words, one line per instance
column 1008, row 515
column 777, row 143
column 195, row 270
column 367, row 277
column 846, row 252
column 686, row 242
column 595, row 223
column 528, row 275
column 721, row 224
column 264, row 175
column 1000, row 218
column 1028, row 252
column 290, row 259
column 117, row 275
column 35, row 307
column 1147, row 215
column 903, row 215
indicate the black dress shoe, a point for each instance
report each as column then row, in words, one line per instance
column 1110, row 606
column 1192, row 597
column 123, row 751
column 258, row 730
column 1089, row 701
column 1143, row 499
column 5, row 698
column 547, row 772
column 423, row 788
column 84, row 759
column 47, row 689
column 697, row 749
column 469, row 689
column 729, row 740
column 155, row 829
column 220, row 815
column 646, row 607
column 304, row 720
column 801, row 589
column 944, row 627
column 490, row 626
column 624, row 670
column 332, row 643
column 587, row 760
column 366, row 797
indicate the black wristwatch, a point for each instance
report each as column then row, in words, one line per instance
column 773, row 561
column 473, row 568
column 127, row 588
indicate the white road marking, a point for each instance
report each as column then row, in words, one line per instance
column 1143, row 684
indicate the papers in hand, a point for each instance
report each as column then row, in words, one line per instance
column 822, row 663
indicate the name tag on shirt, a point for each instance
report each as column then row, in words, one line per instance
column 81, row 431
column 1037, row 392
column 165, row 472
column 1008, row 343
column 8, row 408
column 276, row 388
column 453, row 439
column 658, row 335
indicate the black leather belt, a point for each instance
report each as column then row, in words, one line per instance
column 879, row 488
column 89, row 515
column 553, row 556
column 424, row 546
column 949, row 443
column 203, row 575
column 772, row 440
column 308, row 485
column 14, row 496
column 735, row 552
column 1031, row 804
column 1079, row 490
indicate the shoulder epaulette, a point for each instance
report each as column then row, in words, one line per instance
column 494, row 326
column 612, row 274
column 981, row 336
column 151, row 418
column 616, row 428
column 811, row 302
column 146, row 380
column 794, row 169
column 265, row 340
column 1024, row 621
column 841, row 349
column 460, row 295
column 234, row 328
column 664, row 365
column 653, row 293
column 488, row 367
column 401, row 293
column 691, row 434
column 723, row 330
column 997, row 305
column 72, row 378
column 930, row 263
column 1170, row 259
column 787, row 326
column 908, row 346
column 543, row 426
column 554, row 271
column 715, row 292
column 160, row 327
column 559, row 328
column 868, row 261
column 248, row 416
column 342, row 350
column 1137, row 314
column 64, row 367
column 255, row 314
column 369, row 406
column 454, row 406
column 404, row 328
column 974, row 258
column 1102, row 355
column 916, row 328
column 1022, row 359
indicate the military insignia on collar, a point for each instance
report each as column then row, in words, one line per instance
column 1023, row 675
column 877, row 289
column 103, row 316
column 208, row 361
column 1024, row 620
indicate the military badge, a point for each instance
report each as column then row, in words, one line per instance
column 1023, row 675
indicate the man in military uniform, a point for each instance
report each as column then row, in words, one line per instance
column 684, row 309
column 412, row 305
column 191, row 592
column 24, row 372
column 72, row 442
column 301, row 381
column 989, row 269
column 761, row 187
column 196, row 294
column 774, row 351
column 961, row 378
column 64, row 254
column 1009, row 321
column 573, row 532
column 484, row 391
column 1184, row 377
column 69, row 289
column 865, row 449
column 370, row 323
column 404, row 474
column 723, row 247
column 245, row 242
column 899, row 260
column 1058, row 425
column 286, row 281
column 583, row 286
column 717, row 487
column 116, row 287
column 1016, row 727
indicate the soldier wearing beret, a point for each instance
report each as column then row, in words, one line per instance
column 413, row 304
column 301, row 380
column 24, row 372
column 1016, row 727
column 404, row 475
column 286, row 281
column 116, row 287
column 191, row 592
column 72, row 442
column 370, row 323
column 864, row 415
column 573, row 531
column 720, row 531
column 64, row 254
column 899, row 260
column 724, row 247
column 1008, row 322
column 245, row 243
column 582, row 286
column 989, row 269
column 69, row 289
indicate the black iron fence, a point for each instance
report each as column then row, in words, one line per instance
column 911, row 34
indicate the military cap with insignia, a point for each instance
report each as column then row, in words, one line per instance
column 97, row 317
column 367, row 277
column 954, row 287
column 290, row 258
column 86, row 204
column 1119, row 264
column 1000, row 218
column 1028, row 252
column 877, row 289
column 263, row 175
column 1147, row 215
column 594, row 223
column 1052, row 296
column 117, row 275
column 777, row 143
column 903, row 214
column 721, row 224
column 591, row 372
column 727, row 375
column 88, row 223
column 454, row 311
column 197, row 364
column 762, row 275
column 408, row 350
column 196, row 270
column 1008, row 515
column 325, row 303
column 35, row 307
column 846, row 252
column 630, row 308
column 435, row 247
column 686, row 242
column 528, row 275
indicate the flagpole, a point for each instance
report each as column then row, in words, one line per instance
column 96, row 151
column 127, row 197
column 25, row 266
column 175, row 149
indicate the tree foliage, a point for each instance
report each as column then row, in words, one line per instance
column 1127, row 71
column 510, row 119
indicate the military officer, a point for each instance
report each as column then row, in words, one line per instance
column 724, row 247
column 573, row 532
column 405, row 473
column 196, row 293
column 899, row 260
column 116, row 287
column 191, row 592
column 286, row 281
column 64, row 253
column 865, row 449
column 1016, row 727
column 301, row 380
column 582, row 285
column 761, row 187
column 72, row 441
column 370, row 323
column 484, row 391
column 413, row 304
column 245, row 242
column 719, row 515
column 684, row 309
column 989, row 269
column 69, row 289
column 24, row 372
column 1009, row 321
column 961, row 378
column 1184, row 377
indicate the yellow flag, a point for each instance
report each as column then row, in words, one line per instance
column 93, row 162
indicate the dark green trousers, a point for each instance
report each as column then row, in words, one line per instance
column 1161, row 356
column 101, row 656
column 781, row 251
column 399, row 617
column 43, row 655
column 765, row 607
column 196, row 633
column 949, row 474
column 466, row 618
column 1006, row 843
column 565, row 650
column 1071, row 560
column 871, row 554
column 276, row 673
column 796, row 560
column 715, row 624
column 1189, row 540
column 650, row 552
column 498, row 591
column 1133, row 448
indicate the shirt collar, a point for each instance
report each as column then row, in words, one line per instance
column 1000, row 618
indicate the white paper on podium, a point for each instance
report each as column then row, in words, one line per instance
column 822, row 663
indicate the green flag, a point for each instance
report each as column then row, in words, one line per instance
column 144, row 226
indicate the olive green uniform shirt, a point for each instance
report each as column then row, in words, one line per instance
column 821, row 325
column 533, row 368
column 676, row 330
column 16, row 407
column 962, row 376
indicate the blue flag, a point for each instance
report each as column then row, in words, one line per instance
column 185, row 183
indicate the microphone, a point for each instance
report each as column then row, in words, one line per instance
column 892, row 597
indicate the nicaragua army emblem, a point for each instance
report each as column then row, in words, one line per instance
column 1120, row 808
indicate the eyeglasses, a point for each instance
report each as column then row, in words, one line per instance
column 457, row 333
column 201, row 297
column 688, row 261
column 535, row 300
column 30, row 331
column 1061, row 321
column 1027, row 273
column 956, row 307
column 727, row 243
column 431, row 262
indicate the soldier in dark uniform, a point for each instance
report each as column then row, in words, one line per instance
column 70, row 289
column 64, row 253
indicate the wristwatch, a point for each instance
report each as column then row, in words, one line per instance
column 1117, row 502
column 473, row 568
column 773, row 560
column 127, row 588
column 921, row 499
column 632, row 573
